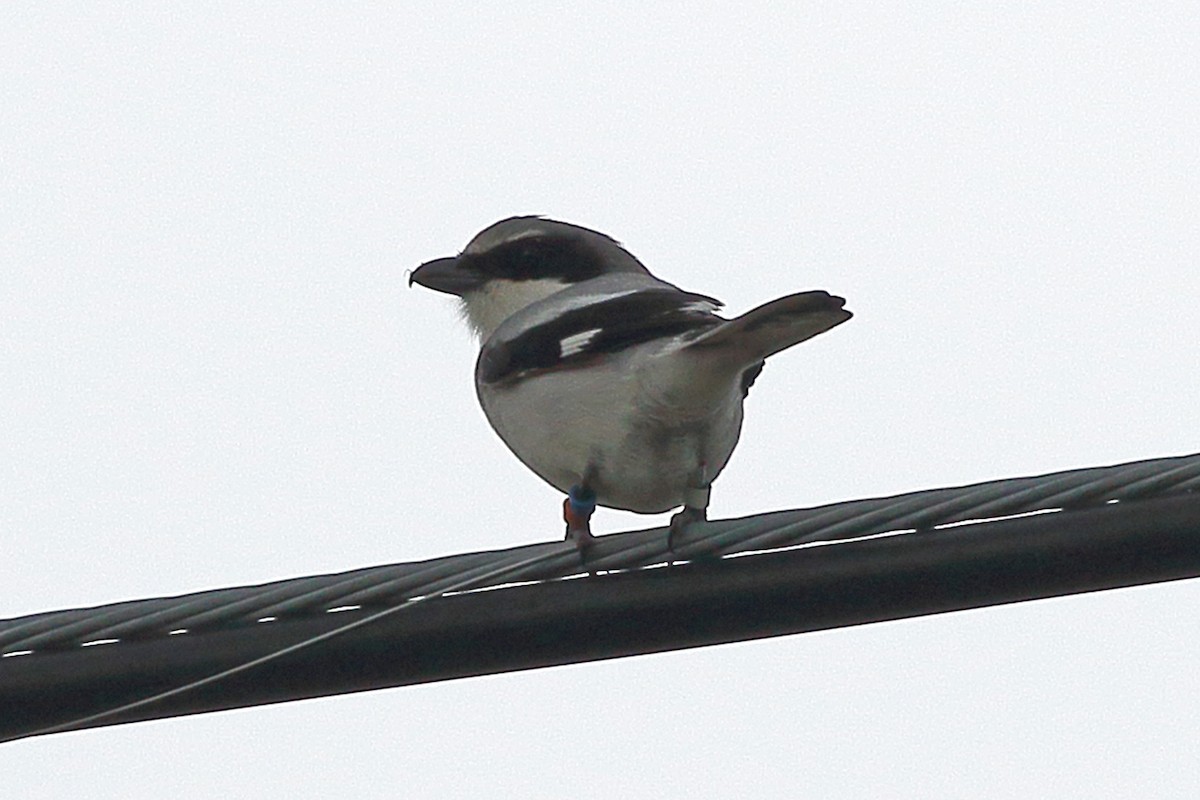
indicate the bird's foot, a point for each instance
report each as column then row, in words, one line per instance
column 695, row 505
column 681, row 521
column 577, row 513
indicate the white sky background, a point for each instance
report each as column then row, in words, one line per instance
column 213, row 372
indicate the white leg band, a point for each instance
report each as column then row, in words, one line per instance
column 696, row 496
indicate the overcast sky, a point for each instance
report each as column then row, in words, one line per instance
column 212, row 371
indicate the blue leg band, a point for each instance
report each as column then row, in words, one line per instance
column 582, row 500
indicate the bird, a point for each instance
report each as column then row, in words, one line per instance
column 614, row 386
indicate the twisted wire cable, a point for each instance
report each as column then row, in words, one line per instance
column 932, row 510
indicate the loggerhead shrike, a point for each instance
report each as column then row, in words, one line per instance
column 615, row 387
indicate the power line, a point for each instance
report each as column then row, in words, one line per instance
column 1115, row 526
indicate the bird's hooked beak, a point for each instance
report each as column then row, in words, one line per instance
column 449, row 275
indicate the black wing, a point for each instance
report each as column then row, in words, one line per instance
column 607, row 326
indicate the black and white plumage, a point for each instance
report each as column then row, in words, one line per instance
column 611, row 384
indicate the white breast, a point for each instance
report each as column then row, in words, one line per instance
column 596, row 423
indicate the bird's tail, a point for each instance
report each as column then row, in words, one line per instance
column 727, row 357
column 773, row 327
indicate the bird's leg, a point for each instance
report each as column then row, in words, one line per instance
column 695, row 506
column 577, row 511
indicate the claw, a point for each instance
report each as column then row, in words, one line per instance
column 695, row 507
column 681, row 521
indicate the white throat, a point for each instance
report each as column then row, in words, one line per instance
column 497, row 300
